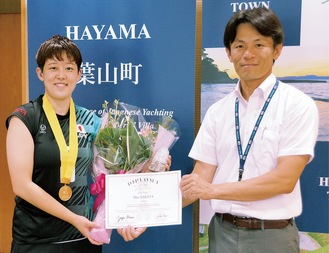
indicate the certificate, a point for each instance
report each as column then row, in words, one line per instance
column 143, row 199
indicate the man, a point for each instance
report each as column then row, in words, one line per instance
column 253, row 145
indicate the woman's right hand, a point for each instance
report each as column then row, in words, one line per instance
column 84, row 226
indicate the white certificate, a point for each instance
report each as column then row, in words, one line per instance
column 143, row 199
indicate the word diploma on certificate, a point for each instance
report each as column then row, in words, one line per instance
column 143, row 199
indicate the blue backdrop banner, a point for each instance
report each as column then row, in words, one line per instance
column 142, row 53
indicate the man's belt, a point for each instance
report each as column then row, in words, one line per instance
column 253, row 223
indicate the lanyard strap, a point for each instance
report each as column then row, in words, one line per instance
column 68, row 154
column 243, row 156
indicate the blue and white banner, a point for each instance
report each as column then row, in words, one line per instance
column 140, row 52
column 218, row 12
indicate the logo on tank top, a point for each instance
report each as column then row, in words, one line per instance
column 42, row 129
column 20, row 111
column 81, row 131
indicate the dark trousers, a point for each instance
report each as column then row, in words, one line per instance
column 226, row 238
column 82, row 246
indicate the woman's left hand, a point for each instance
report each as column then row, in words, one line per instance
column 130, row 233
column 146, row 165
column 168, row 163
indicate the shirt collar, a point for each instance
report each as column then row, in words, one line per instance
column 264, row 88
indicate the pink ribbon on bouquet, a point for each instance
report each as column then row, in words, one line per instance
column 98, row 187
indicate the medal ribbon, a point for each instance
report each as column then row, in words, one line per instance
column 237, row 129
column 68, row 154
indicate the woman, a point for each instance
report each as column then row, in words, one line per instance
column 49, row 161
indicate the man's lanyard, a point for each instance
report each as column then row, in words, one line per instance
column 237, row 129
column 68, row 154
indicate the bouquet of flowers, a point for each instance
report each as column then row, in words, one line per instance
column 126, row 143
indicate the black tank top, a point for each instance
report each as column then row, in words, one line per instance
column 30, row 224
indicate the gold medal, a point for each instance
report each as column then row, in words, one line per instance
column 68, row 154
column 65, row 193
